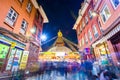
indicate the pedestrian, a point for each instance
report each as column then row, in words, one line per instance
column 107, row 75
column 102, row 75
column 88, row 68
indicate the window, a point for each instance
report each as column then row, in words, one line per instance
column 23, row 26
column 80, row 28
column 11, row 17
column 80, row 43
column 86, row 39
column 37, row 15
column 90, row 35
column 105, row 13
column 95, row 31
column 41, row 20
column 78, row 31
column 86, row 19
column 90, row 14
column 82, row 40
column 29, row 7
column 21, row 1
column 115, row 3
column 83, row 24
column 99, row 24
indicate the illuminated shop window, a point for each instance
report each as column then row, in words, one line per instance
column 105, row 13
column 11, row 17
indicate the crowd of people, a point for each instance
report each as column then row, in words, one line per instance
column 87, row 69
column 94, row 71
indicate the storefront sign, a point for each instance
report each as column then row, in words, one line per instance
column 13, row 44
column 87, row 50
column 17, row 60
column 10, row 60
column 12, row 41
column 24, row 60
column 3, row 51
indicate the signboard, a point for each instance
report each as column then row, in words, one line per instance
column 10, row 40
column 13, row 44
column 60, row 54
column 24, row 60
column 10, row 59
column 3, row 51
column 16, row 60
column 87, row 50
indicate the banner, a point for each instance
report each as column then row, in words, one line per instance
column 87, row 50
column 11, row 58
column 16, row 60
column 24, row 60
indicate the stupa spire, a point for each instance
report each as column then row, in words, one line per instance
column 59, row 34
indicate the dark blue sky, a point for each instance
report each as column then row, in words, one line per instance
column 61, row 15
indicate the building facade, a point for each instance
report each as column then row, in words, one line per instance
column 88, row 30
column 16, row 21
column 105, row 38
column 109, row 18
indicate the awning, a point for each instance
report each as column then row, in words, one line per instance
column 107, row 36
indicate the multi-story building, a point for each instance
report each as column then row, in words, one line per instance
column 87, row 28
column 35, row 42
column 17, row 18
column 105, row 37
column 109, row 19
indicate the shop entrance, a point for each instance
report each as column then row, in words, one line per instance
column 116, row 45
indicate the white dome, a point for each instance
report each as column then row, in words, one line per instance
column 60, row 49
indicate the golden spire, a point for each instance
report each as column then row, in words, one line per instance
column 59, row 34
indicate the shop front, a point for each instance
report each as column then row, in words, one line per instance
column 104, row 53
column 115, row 40
column 33, row 56
column 111, row 41
column 10, row 53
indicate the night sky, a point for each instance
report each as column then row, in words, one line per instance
column 62, row 15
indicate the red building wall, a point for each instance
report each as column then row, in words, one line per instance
column 114, row 14
column 22, row 13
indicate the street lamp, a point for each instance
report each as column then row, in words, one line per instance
column 43, row 37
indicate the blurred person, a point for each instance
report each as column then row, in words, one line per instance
column 107, row 75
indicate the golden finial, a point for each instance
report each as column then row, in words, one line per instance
column 59, row 34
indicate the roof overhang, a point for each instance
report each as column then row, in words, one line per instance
column 40, row 9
